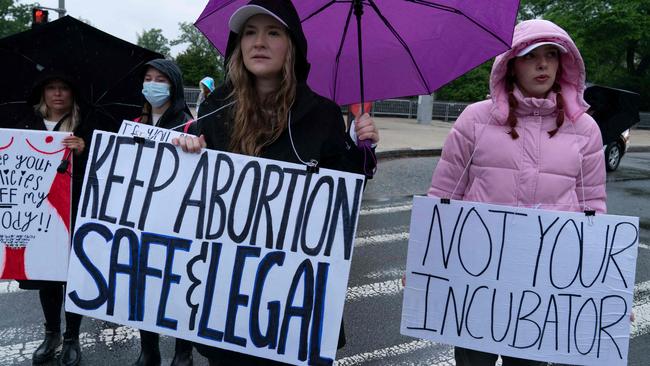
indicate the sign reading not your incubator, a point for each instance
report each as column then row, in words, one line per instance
column 534, row 284
column 241, row 253
column 34, row 205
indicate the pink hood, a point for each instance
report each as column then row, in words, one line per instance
column 573, row 68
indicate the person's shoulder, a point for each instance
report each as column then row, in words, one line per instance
column 475, row 113
column 327, row 111
column 586, row 125
column 482, row 108
column 218, row 98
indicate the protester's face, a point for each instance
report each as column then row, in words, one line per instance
column 58, row 96
column 264, row 45
column 153, row 74
column 535, row 72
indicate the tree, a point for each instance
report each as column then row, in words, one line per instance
column 200, row 59
column 470, row 87
column 14, row 17
column 154, row 40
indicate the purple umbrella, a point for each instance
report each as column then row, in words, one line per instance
column 376, row 49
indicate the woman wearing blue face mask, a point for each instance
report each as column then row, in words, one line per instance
column 164, row 107
column 163, row 91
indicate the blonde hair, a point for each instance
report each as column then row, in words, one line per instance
column 70, row 121
column 257, row 122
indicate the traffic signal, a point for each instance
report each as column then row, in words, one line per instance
column 39, row 17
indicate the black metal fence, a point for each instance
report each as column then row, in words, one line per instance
column 443, row 111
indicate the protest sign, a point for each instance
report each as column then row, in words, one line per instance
column 241, row 253
column 136, row 129
column 34, row 205
column 534, row 284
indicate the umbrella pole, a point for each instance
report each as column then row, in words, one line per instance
column 369, row 169
column 358, row 12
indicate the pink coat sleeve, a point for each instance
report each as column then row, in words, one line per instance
column 590, row 185
column 448, row 180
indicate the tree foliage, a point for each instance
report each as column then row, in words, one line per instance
column 154, row 40
column 14, row 17
column 200, row 58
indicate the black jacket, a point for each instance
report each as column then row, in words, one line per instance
column 317, row 129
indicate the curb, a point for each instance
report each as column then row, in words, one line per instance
column 407, row 153
column 641, row 149
column 419, row 153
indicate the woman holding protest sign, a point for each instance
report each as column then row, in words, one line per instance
column 164, row 107
column 56, row 109
column 266, row 109
column 530, row 145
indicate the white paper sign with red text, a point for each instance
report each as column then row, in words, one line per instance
column 34, row 205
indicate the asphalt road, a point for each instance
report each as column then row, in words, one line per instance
column 373, row 307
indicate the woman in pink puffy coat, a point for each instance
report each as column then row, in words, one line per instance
column 530, row 145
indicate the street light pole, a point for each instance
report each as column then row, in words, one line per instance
column 61, row 9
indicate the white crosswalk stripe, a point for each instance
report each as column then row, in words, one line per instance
column 7, row 287
column 386, row 210
column 393, row 351
column 22, row 352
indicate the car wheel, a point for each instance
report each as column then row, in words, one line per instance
column 613, row 154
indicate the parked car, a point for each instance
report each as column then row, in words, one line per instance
column 615, row 111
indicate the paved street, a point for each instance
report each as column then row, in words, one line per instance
column 373, row 309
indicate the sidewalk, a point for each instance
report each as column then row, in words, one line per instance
column 402, row 137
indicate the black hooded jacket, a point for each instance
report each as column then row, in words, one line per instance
column 178, row 112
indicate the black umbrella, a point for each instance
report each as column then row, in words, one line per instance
column 615, row 110
column 105, row 69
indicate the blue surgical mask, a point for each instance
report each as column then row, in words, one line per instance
column 157, row 94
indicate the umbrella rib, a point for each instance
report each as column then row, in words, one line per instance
column 119, row 81
column 16, row 102
column 402, row 42
column 226, row 3
column 118, row 103
column 319, row 10
column 456, row 11
column 13, row 50
column 340, row 50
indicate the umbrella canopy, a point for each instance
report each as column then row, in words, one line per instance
column 105, row 69
column 615, row 110
column 409, row 47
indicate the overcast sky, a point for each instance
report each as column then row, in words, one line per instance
column 126, row 18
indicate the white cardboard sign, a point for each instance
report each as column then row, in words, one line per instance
column 34, row 205
column 241, row 253
column 534, row 284
column 137, row 129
